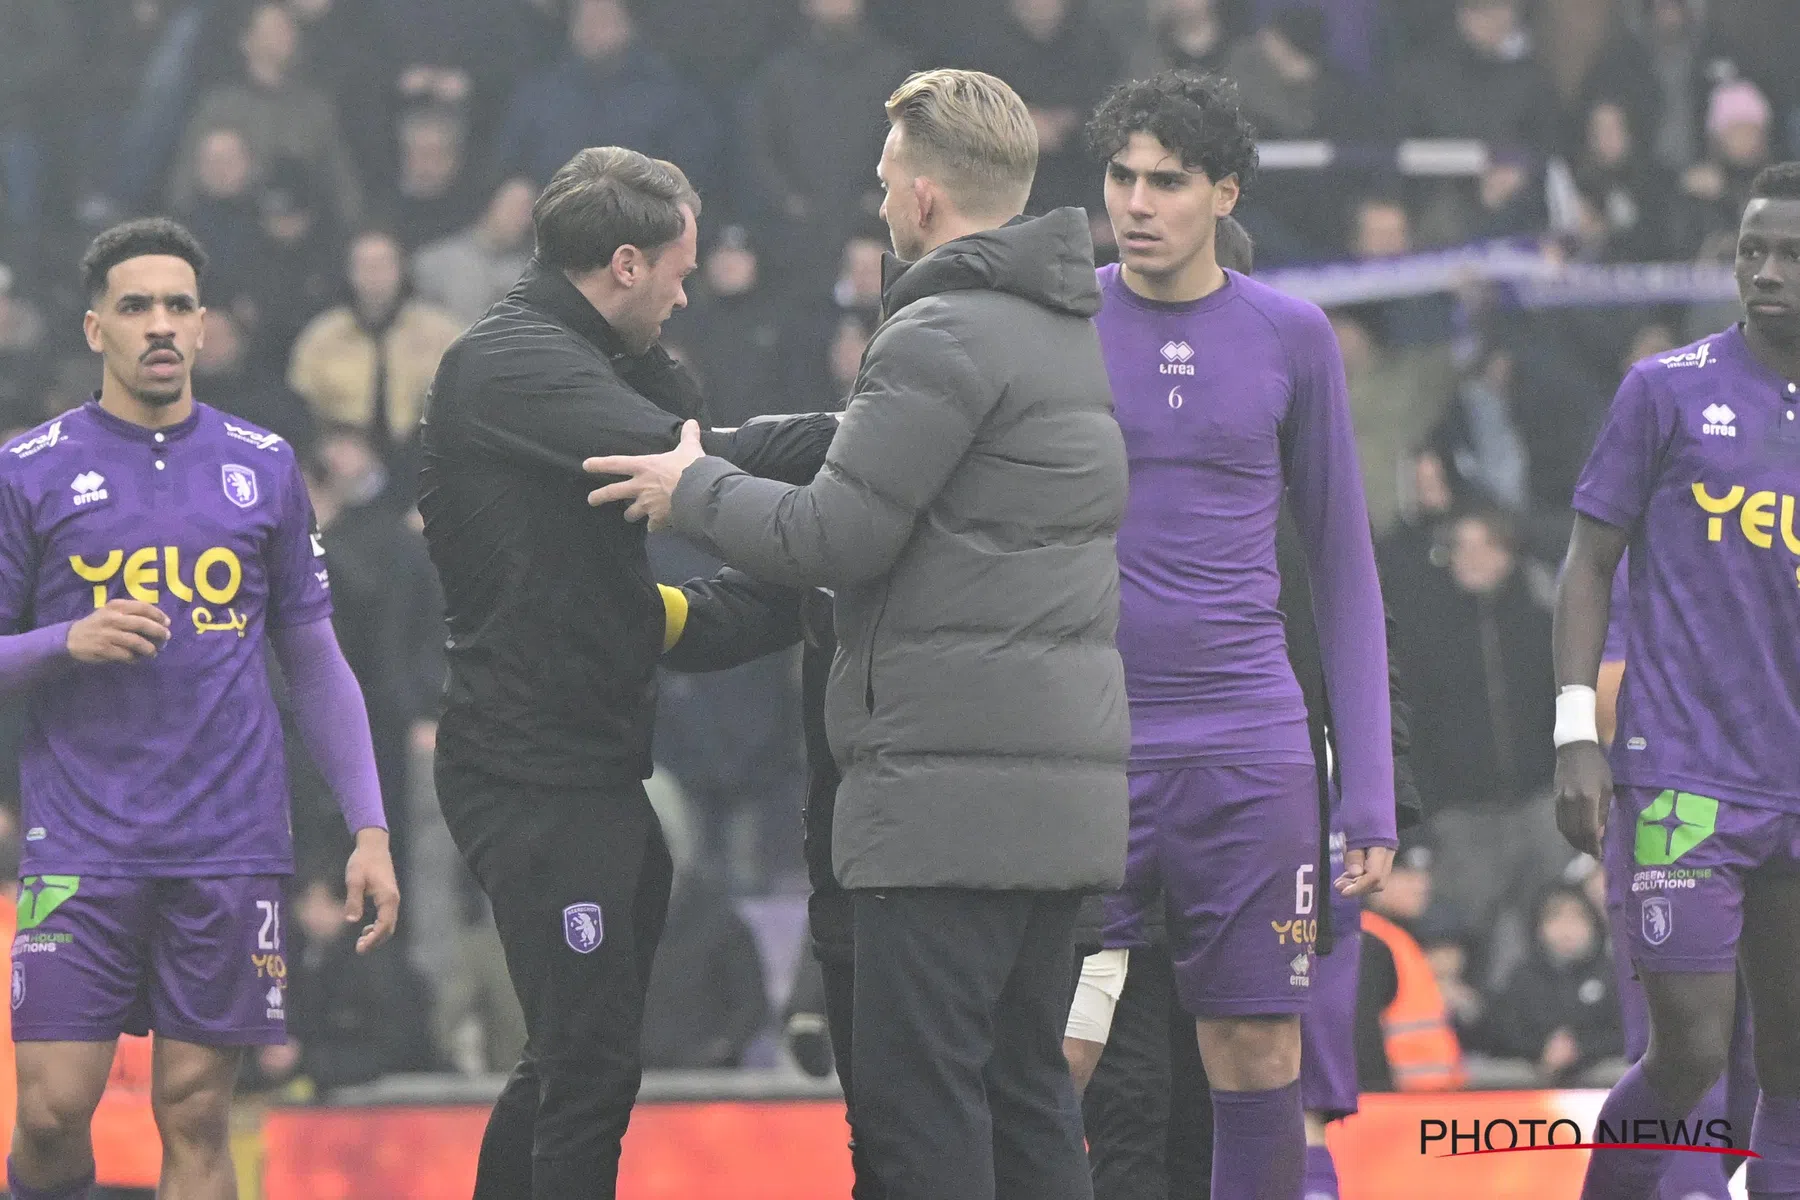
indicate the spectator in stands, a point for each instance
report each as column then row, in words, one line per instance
column 136, row 84
column 857, row 293
column 223, row 211
column 1485, row 428
column 345, row 52
column 37, row 61
column 1381, row 227
column 1185, row 35
column 610, row 89
column 227, row 377
column 369, row 362
column 1394, row 393
column 386, row 605
column 1662, row 65
column 735, row 332
column 1738, row 133
column 1466, row 1006
column 812, row 122
column 845, row 354
column 1477, row 655
column 479, row 1026
column 465, row 274
column 1291, row 91
column 24, row 351
column 352, row 1018
column 1560, row 1009
column 296, row 270
column 1489, row 86
column 708, row 998
column 1621, row 196
column 741, row 35
column 434, row 196
column 1060, row 61
column 461, row 54
column 279, row 113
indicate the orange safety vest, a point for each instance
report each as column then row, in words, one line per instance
column 127, row 1148
column 1422, row 1049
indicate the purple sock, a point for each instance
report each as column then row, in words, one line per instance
column 1629, row 1174
column 68, row 1191
column 1321, row 1174
column 1776, row 1137
column 1259, row 1144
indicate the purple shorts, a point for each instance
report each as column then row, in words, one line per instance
column 1676, row 866
column 195, row 960
column 1328, row 1026
column 1234, row 850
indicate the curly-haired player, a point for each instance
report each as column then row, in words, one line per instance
column 1231, row 394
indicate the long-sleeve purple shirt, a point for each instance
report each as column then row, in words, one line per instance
column 1224, row 402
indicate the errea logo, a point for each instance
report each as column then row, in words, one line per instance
column 1177, row 358
column 89, row 487
column 1689, row 358
column 1719, row 421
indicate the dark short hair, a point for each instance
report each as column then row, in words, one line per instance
column 1197, row 116
column 1780, row 181
column 606, row 197
column 1233, row 247
column 136, row 239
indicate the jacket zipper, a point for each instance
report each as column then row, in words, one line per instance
column 869, row 674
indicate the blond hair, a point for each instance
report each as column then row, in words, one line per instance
column 971, row 133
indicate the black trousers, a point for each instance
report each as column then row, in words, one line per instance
column 547, row 857
column 961, row 1091
column 1148, row 1109
column 840, row 998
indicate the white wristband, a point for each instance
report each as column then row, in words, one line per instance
column 1575, row 705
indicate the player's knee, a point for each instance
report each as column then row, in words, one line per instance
column 1251, row 1053
column 52, row 1117
column 194, row 1119
column 1694, row 1056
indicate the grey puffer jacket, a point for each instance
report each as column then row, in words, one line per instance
column 965, row 520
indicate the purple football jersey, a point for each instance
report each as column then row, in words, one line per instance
column 1225, row 402
column 1700, row 460
column 171, row 765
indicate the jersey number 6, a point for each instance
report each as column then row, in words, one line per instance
column 1303, row 890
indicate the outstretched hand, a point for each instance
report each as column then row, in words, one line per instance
column 650, row 479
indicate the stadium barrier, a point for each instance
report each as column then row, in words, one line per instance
column 774, row 1136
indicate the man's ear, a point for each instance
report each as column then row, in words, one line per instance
column 925, row 199
column 1225, row 196
column 627, row 265
column 90, row 325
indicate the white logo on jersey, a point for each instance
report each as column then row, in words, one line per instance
column 42, row 441
column 239, row 483
column 1176, row 358
column 262, row 441
column 1719, row 421
column 89, row 487
column 275, row 1011
column 1689, row 358
column 318, row 547
column 1298, row 966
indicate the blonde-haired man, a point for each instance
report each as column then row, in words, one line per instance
column 964, row 523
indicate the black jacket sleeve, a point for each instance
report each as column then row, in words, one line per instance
column 1377, row 984
column 733, row 619
column 570, row 406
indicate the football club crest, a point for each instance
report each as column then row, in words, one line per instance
column 1659, row 920
column 240, row 484
column 582, row 928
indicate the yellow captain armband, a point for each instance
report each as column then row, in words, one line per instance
column 675, row 612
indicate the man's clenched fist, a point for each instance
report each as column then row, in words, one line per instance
column 123, row 631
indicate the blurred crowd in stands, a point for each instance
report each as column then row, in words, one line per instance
column 362, row 174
